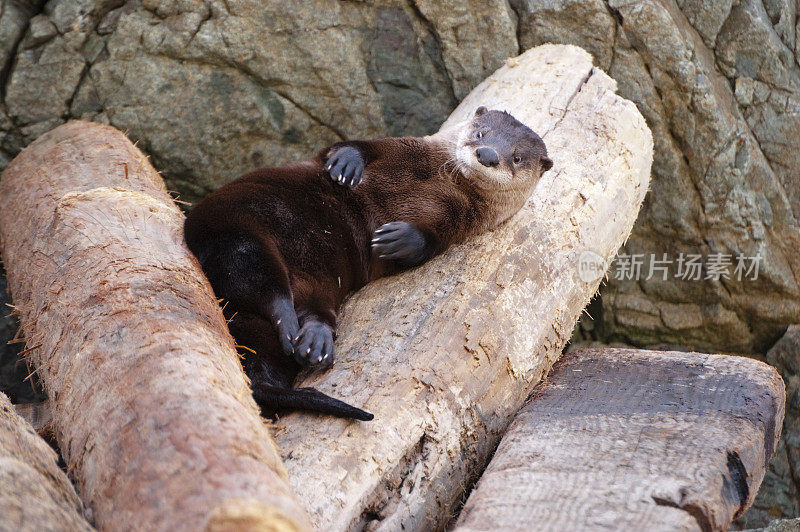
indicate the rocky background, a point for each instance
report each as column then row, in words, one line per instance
column 211, row 89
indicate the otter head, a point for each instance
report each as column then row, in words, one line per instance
column 499, row 151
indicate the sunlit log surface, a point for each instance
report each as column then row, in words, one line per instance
column 446, row 354
column 622, row 439
column 150, row 406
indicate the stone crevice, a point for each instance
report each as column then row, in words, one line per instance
column 5, row 70
column 513, row 8
column 439, row 46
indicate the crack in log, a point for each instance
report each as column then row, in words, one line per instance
column 738, row 475
column 386, row 496
column 692, row 509
column 572, row 96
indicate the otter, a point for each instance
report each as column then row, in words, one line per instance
column 284, row 246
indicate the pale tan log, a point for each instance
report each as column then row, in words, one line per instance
column 621, row 439
column 446, row 354
column 150, row 406
column 35, row 495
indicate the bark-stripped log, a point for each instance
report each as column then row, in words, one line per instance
column 622, row 439
column 35, row 494
column 151, row 408
column 38, row 415
column 446, row 354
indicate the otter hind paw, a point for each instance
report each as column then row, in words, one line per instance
column 313, row 345
column 345, row 166
column 399, row 241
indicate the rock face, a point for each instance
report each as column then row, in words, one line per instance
column 779, row 494
column 720, row 89
column 211, row 89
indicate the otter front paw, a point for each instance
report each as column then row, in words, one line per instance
column 313, row 345
column 281, row 310
column 400, row 241
column 345, row 165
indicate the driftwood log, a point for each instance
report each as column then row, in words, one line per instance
column 38, row 415
column 151, row 408
column 621, row 439
column 446, row 354
column 35, row 494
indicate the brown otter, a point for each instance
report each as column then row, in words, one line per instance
column 284, row 246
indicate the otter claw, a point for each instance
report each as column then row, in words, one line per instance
column 315, row 339
column 345, row 165
column 400, row 241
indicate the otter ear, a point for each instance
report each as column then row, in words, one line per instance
column 547, row 163
column 482, row 110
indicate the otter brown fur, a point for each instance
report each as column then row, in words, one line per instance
column 284, row 246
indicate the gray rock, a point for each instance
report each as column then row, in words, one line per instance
column 777, row 496
column 779, row 525
column 716, row 187
column 13, row 21
column 213, row 89
column 785, row 356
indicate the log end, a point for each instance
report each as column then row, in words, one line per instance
column 245, row 515
column 633, row 439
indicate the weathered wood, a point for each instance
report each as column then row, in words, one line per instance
column 151, row 408
column 621, row 439
column 35, row 495
column 39, row 415
column 444, row 355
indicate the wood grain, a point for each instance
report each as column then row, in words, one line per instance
column 35, row 494
column 150, row 406
column 621, row 439
column 444, row 355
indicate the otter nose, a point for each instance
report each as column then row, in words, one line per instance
column 487, row 156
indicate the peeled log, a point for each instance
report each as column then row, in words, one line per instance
column 35, row 494
column 446, row 354
column 150, row 406
column 623, row 439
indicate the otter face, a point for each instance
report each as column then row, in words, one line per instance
column 501, row 151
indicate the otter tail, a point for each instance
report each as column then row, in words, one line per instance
column 309, row 399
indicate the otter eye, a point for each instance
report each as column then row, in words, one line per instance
column 517, row 159
column 479, row 134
